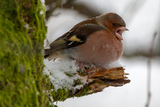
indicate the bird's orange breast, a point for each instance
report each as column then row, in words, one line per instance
column 101, row 48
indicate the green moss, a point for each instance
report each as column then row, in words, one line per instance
column 21, row 59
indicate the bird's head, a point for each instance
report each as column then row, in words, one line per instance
column 114, row 23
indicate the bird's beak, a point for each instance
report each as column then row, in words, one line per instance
column 119, row 32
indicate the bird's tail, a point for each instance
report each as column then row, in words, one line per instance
column 47, row 53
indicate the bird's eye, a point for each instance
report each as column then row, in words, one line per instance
column 113, row 24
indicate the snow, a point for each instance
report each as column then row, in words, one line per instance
column 26, row 26
column 41, row 12
column 113, row 65
column 43, row 1
column 57, row 69
column 133, row 94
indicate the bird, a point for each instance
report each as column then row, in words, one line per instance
column 96, row 41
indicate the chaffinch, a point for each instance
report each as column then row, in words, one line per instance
column 97, row 41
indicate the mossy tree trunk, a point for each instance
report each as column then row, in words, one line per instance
column 22, row 31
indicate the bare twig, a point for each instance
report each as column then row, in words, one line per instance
column 149, row 71
column 82, row 8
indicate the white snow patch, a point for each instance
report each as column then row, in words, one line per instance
column 57, row 70
column 41, row 12
column 43, row 1
column 43, row 7
column 26, row 26
column 113, row 65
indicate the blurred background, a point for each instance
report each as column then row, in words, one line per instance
column 142, row 18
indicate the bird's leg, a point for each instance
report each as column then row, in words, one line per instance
column 81, row 66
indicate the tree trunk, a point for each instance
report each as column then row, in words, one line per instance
column 22, row 32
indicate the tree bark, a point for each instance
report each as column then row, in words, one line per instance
column 22, row 32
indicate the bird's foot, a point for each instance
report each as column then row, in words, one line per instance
column 84, row 67
column 81, row 66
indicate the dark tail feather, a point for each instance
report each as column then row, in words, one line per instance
column 45, row 56
column 46, row 53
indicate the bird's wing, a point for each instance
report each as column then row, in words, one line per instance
column 74, row 37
